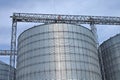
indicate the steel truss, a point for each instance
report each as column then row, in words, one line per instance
column 6, row 52
column 75, row 19
column 56, row 18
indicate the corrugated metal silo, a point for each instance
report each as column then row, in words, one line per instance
column 4, row 71
column 110, row 58
column 57, row 52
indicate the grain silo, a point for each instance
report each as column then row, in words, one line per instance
column 4, row 71
column 110, row 58
column 57, row 52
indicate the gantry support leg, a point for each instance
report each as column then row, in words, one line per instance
column 13, row 49
column 94, row 30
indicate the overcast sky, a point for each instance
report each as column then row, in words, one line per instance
column 78, row 7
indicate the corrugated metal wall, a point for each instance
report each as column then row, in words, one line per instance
column 57, row 52
column 110, row 55
column 4, row 71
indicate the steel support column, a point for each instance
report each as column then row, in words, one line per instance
column 13, row 49
column 94, row 30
